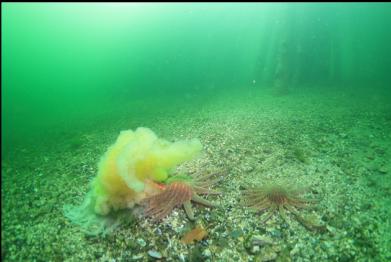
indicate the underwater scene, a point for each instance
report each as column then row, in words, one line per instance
column 196, row 132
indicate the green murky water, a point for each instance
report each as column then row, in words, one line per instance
column 298, row 92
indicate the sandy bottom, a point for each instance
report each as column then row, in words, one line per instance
column 336, row 144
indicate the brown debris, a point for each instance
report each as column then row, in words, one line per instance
column 196, row 234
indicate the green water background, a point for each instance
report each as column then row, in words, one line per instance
column 67, row 67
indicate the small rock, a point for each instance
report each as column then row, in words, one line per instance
column 137, row 257
column 255, row 249
column 248, row 169
column 276, row 233
column 154, row 254
column 236, row 233
column 383, row 169
column 343, row 135
column 182, row 257
column 261, row 240
column 331, row 229
column 206, row 253
column 326, row 245
column 141, row 242
column 380, row 151
column 268, row 254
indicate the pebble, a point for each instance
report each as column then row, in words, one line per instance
column 276, row 233
column 326, row 245
column 141, row 242
column 255, row 249
column 268, row 254
column 383, row 169
column 137, row 257
column 182, row 258
column 206, row 253
column 258, row 240
column 154, row 254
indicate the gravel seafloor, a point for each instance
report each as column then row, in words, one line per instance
column 336, row 143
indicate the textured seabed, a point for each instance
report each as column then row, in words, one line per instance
column 336, row 143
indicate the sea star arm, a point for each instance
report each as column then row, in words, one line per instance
column 200, row 200
column 188, row 209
